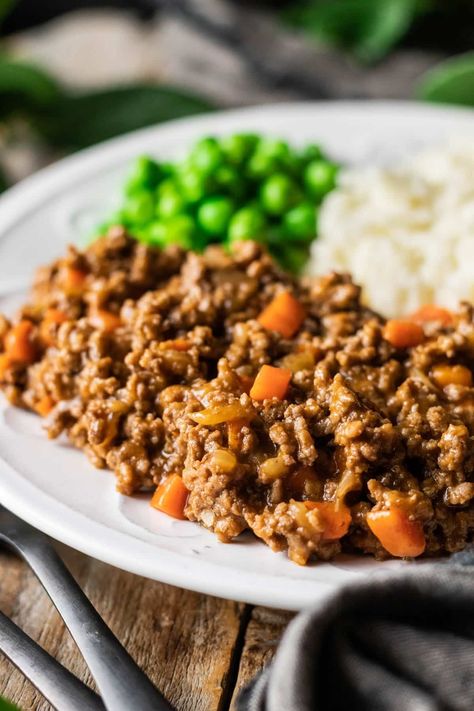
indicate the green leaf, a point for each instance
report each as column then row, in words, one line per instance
column 7, row 706
column 451, row 82
column 367, row 28
column 5, row 7
column 24, row 88
column 82, row 119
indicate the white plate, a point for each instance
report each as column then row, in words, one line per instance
column 53, row 486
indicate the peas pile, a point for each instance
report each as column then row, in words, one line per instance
column 239, row 187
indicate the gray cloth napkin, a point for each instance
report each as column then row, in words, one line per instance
column 396, row 642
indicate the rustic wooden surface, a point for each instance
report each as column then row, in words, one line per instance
column 198, row 650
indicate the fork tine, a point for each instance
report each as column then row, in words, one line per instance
column 61, row 688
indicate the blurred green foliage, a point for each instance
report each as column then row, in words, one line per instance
column 5, row 7
column 69, row 120
column 370, row 29
column 77, row 120
column 367, row 28
column 25, row 89
column 451, row 82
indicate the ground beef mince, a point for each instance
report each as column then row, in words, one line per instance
column 146, row 360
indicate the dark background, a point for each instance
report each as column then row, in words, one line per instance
column 448, row 27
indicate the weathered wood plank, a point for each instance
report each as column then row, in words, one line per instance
column 262, row 636
column 184, row 641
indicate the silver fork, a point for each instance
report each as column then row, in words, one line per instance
column 61, row 688
column 122, row 685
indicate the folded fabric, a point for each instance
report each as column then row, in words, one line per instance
column 397, row 642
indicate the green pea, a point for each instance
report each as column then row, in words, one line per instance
column 311, row 152
column 170, row 202
column 177, row 230
column 155, row 234
column 180, row 230
column 239, row 146
column 300, row 221
column 275, row 148
column 320, row 178
column 194, row 185
column 167, row 169
column 139, row 208
column 278, row 194
column 168, row 183
column 214, row 215
column 261, row 165
column 206, row 155
column 248, row 223
column 229, row 180
column 145, row 174
column 294, row 166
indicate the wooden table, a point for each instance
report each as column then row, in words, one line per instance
column 199, row 650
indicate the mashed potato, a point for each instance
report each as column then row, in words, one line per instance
column 405, row 234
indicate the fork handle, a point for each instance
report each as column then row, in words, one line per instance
column 122, row 685
column 61, row 688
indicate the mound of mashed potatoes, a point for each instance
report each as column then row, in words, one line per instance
column 405, row 233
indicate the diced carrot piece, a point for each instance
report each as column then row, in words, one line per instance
column 451, row 375
column 270, row 382
column 178, row 344
column 398, row 534
column 55, row 316
column 5, row 363
column 104, row 320
column 336, row 517
column 44, row 406
column 284, row 314
column 402, row 333
column 52, row 319
column 73, row 280
column 432, row 313
column 171, row 497
column 19, row 345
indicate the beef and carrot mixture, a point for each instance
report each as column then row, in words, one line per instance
column 242, row 398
